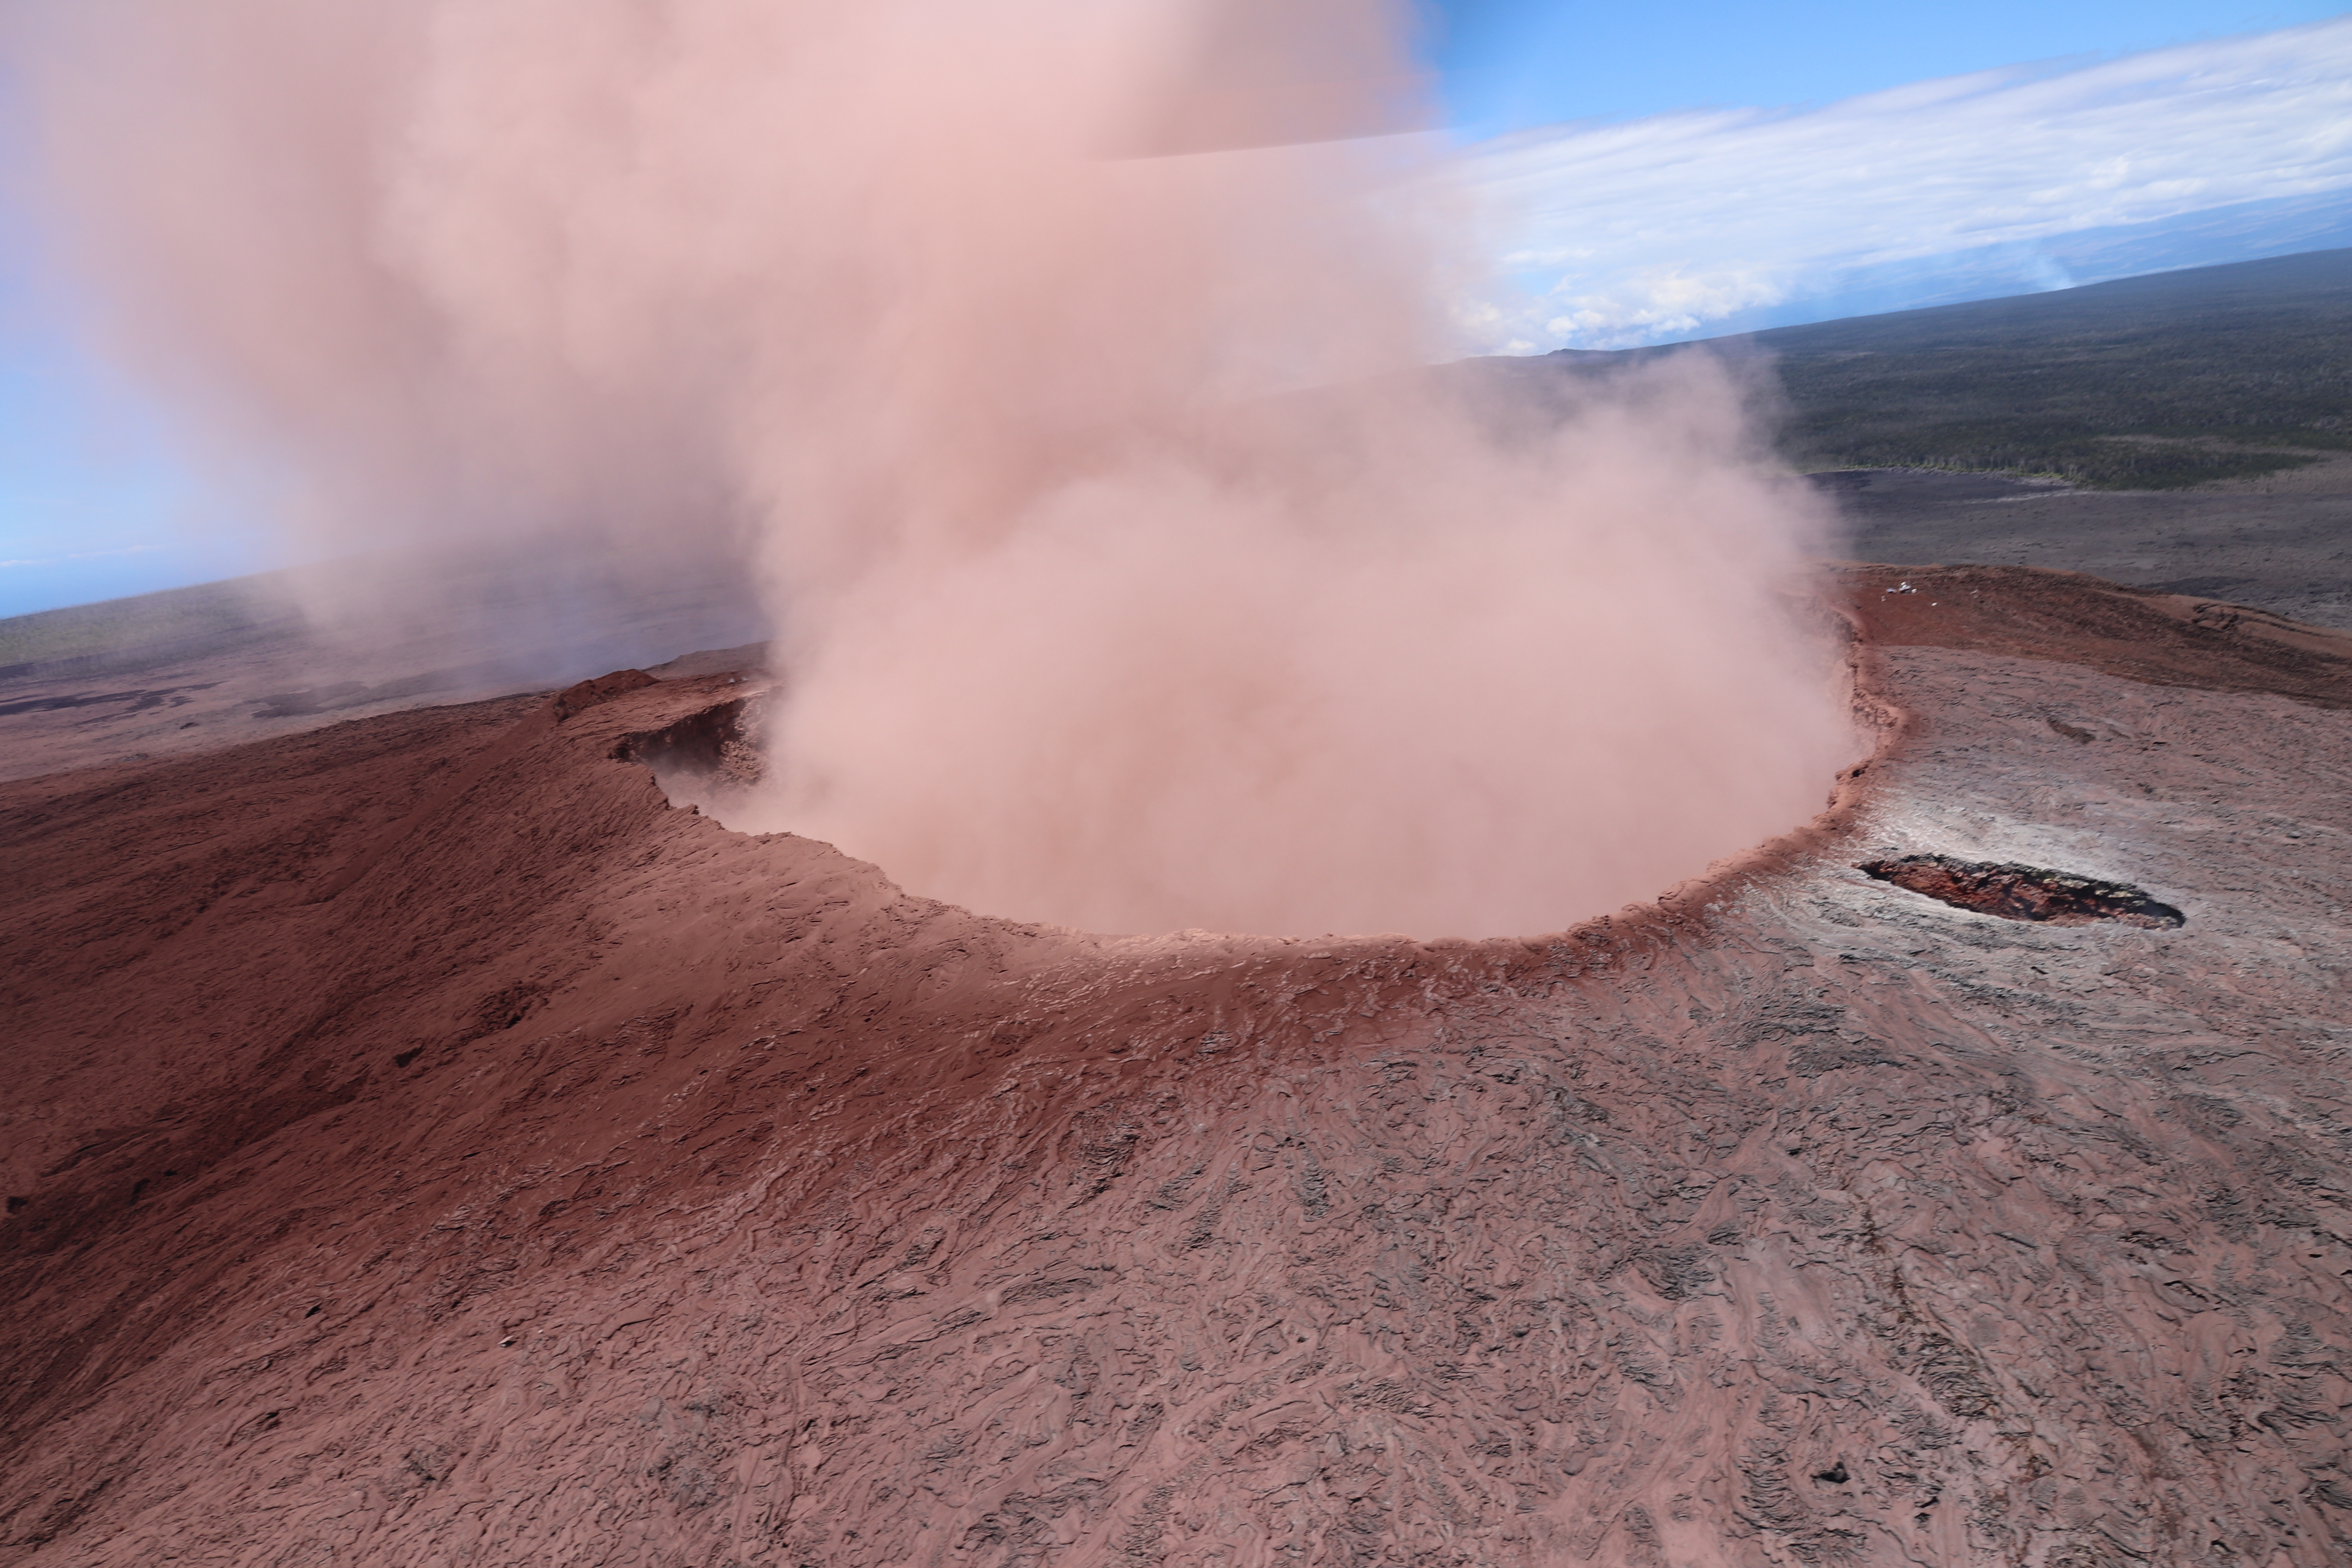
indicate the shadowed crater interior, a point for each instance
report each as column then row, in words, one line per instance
column 712, row 754
column 2017, row 892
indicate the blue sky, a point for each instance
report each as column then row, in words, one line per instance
column 1647, row 173
column 1511, row 63
column 1700, row 221
column 94, row 504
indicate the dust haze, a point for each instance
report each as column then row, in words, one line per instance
column 1055, row 374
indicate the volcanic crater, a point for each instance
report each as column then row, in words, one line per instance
column 430, row 1146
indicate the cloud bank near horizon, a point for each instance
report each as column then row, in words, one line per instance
column 1999, row 182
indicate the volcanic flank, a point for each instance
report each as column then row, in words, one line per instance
column 428, row 1146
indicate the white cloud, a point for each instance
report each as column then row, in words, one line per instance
column 1649, row 230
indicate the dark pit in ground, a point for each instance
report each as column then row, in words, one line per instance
column 703, row 758
column 2016, row 892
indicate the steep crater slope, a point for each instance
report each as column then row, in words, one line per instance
column 430, row 1146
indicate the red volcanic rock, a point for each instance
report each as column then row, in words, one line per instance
column 2142, row 634
column 425, row 1146
column 2024, row 892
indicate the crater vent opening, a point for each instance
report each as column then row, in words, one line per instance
column 705, row 759
column 2016, row 892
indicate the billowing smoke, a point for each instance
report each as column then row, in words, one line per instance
column 1055, row 366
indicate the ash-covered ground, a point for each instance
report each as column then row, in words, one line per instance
column 429, row 1145
column 2281, row 541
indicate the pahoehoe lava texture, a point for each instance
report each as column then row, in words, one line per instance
column 2024, row 892
column 425, row 1145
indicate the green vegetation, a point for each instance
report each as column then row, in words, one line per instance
column 176, row 623
column 2143, row 383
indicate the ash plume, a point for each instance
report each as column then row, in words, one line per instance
column 1055, row 371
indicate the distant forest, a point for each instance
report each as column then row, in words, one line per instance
column 2151, row 382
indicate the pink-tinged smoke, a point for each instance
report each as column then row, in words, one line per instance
column 1055, row 365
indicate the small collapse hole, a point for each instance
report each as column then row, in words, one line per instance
column 2015, row 892
column 704, row 758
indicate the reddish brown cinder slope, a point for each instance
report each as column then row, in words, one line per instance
column 434, row 1149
